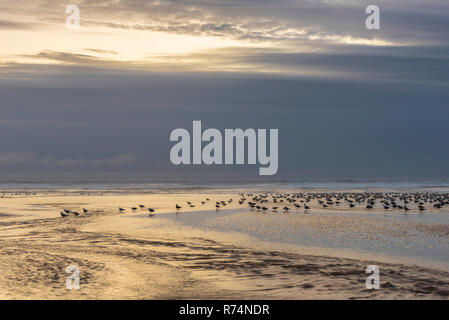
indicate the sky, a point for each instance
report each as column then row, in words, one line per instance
column 99, row 102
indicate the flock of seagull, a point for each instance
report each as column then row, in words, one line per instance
column 295, row 201
column 66, row 212
column 370, row 200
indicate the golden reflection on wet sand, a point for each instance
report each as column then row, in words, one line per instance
column 133, row 256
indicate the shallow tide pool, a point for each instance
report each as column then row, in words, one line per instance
column 423, row 237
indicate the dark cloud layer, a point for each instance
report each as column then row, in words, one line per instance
column 346, row 110
column 328, row 128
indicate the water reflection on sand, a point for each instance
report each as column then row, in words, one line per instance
column 418, row 236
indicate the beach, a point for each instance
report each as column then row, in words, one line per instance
column 205, row 252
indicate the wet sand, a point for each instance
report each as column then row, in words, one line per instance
column 134, row 256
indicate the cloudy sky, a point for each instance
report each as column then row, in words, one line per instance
column 99, row 103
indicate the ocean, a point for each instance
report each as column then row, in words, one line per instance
column 232, row 186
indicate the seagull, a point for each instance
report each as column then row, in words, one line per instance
column 76, row 214
column 178, row 207
column 151, row 209
column 85, row 210
column 134, row 208
column 141, row 205
column 121, row 209
column 63, row 214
